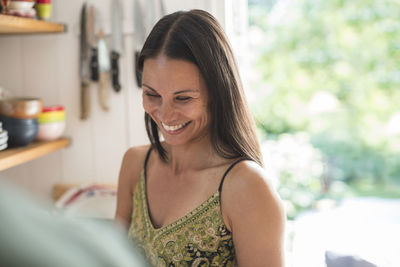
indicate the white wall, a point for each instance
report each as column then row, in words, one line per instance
column 47, row 66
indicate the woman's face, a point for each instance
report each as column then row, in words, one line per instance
column 175, row 96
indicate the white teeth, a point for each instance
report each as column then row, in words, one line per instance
column 173, row 127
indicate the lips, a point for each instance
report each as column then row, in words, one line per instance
column 173, row 128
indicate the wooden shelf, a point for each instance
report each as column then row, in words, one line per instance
column 18, row 25
column 16, row 156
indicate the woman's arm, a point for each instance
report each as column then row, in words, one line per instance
column 255, row 215
column 131, row 167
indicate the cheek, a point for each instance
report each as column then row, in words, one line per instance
column 198, row 111
column 149, row 106
column 150, row 109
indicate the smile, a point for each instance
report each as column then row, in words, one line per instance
column 174, row 127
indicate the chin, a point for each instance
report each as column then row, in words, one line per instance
column 184, row 140
column 176, row 141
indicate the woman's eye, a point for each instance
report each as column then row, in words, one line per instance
column 151, row 95
column 183, row 98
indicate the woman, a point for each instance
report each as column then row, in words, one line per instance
column 200, row 197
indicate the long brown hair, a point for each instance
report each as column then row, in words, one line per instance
column 197, row 37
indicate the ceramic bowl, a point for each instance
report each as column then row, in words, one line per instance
column 21, row 107
column 51, row 116
column 20, row 5
column 50, row 131
column 3, row 137
column 52, row 108
column 10, row 121
column 3, row 134
column 43, row 10
column 3, row 146
column 22, row 135
column 20, row 131
column 43, row 1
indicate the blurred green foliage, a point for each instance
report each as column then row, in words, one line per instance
column 344, row 51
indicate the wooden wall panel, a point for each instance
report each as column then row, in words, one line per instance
column 40, row 69
column 43, row 173
column 16, row 176
column 11, row 61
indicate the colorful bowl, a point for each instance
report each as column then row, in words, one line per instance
column 50, row 131
column 21, row 107
column 52, row 108
column 20, row 5
column 51, row 116
column 43, row 11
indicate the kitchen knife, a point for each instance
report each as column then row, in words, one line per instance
column 84, row 65
column 90, row 30
column 140, row 36
column 104, row 69
column 116, row 36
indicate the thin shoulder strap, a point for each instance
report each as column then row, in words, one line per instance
column 228, row 170
column 146, row 160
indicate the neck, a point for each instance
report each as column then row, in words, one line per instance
column 193, row 156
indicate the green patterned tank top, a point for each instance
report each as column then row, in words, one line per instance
column 200, row 238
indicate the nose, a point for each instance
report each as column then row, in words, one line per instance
column 167, row 112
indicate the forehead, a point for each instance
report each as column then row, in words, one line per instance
column 163, row 73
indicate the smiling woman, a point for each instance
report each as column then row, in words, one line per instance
column 179, row 104
column 200, row 197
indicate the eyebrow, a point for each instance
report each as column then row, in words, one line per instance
column 175, row 93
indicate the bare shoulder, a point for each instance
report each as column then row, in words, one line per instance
column 255, row 215
column 132, row 164
column 136, row 154
column 247, row 189
column 129, row 174
column 248, row 177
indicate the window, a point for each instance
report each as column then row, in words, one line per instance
column 323, row 82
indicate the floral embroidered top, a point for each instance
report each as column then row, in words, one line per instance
column 200, row 238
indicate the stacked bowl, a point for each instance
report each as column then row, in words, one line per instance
column 51, row 123
column 21, row 8
column 3, row 137
column 19, row 118
column 43, row 8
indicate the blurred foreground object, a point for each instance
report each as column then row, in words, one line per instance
column 95, row 201
column 337, row 260
column 31, row 236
